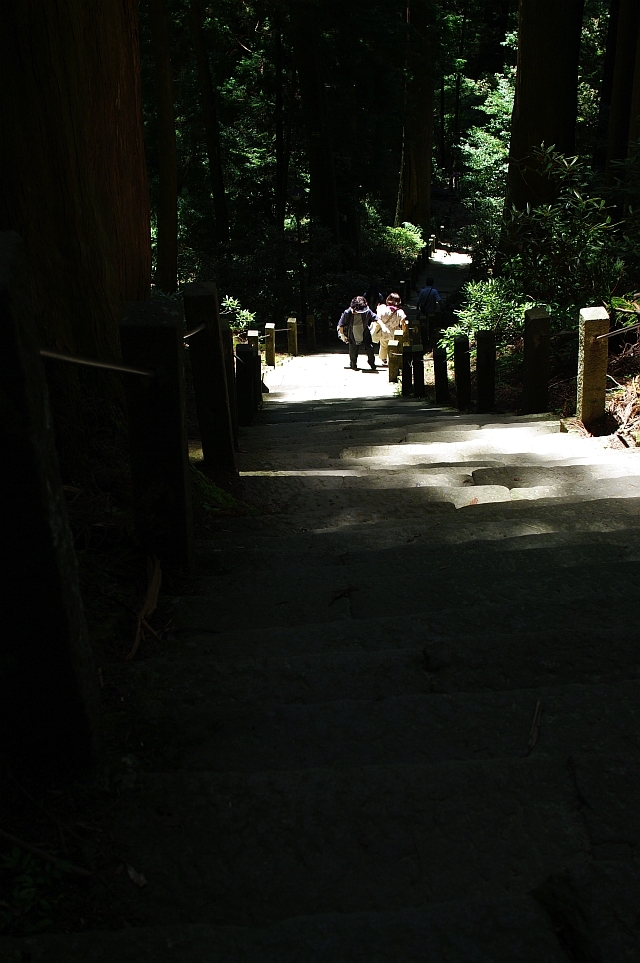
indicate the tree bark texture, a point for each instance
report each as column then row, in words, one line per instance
column 634, row 120
column 167, row 210
column 282, row 129
column 73, row 177
column 545, row 105
column 210, row 123
column 604, row 109
column 623, row 83
column 418, row 125
column 315, row 111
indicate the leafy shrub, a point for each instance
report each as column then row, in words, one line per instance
column 490, row 305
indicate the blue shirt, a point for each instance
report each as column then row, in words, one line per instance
column 428, row 298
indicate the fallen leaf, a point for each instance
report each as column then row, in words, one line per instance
column 474, row 501
column 136, row 877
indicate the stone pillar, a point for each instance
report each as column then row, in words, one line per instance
column 462, row 371
column 441, row 376
column 151, row 337
column 49, row 695
column 209, row 369
column 535, row 377
column 270, row 345
column 592, row 365
column 311, row 332
column 292, row 336
column 395, row 357
column 486, row 370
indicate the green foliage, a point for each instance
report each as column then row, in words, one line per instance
column 490, row 305
column 389, row 251
column 565, row 253
column 485, row 154
column 213, row 500
column 28, row 893
column 239, row 318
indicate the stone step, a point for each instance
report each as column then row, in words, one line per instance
column 407, row 729
column 249, row 849
column 514, row 930
column 479, row 445
column 366, row 660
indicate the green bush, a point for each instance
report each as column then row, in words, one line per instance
column 491, row 305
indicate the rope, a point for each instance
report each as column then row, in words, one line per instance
column 92, row 363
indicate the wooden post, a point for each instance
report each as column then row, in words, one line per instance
column 432, row 244
column 395, row 357
column 407, row 377
column 311, row 332
column 209, row 368
column 230, row 368
column 486, row 370
column 418, row 371
column 400, row 337
column 441, row 376
column 292, row 336
column 253, row 338
column 535, row 387
column 324, row 329
column 462, row 371
column 245, row 384
column 592, row 365
column 49, row 696
column 270, row 345
column 151, row 337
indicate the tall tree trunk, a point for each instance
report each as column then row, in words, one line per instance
column 443, row 147
column 634, row 122
column 315, row 111
column 604, row 110
column 211, row 125
column 73, row 180
column 283, row 129
column 545, row 105
column 167, row 211
column 418, row 128
column 623, row 76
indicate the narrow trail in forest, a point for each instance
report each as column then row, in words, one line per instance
column 400, row 723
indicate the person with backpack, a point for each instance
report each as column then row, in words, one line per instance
column 390, row 318
column 354, row 329
column 428, row 302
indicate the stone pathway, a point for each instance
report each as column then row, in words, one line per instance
column 401, row 724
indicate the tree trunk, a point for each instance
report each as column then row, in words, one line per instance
column 315, row 111
column 73, row 181
column 604, row 110
column 545, row 105
column 283, row 130
column 623, row 77
column 211, row 125
column 443, row 147
column 634, row 123
column 167, row 210
column 418, row 130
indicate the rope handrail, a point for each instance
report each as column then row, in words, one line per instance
column 94, row 363
column 612, row 334
column 200, row 327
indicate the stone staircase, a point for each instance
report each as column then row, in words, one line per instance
column 345, row 767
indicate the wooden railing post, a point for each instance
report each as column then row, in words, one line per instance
column 253, row 338
column 311, row 333
column 324, row 329
column 535, row 379
column 441, row 376
column 49, row 696
column 270, row 344
column 245, row 384
column 292, row 336
column 209, row 369
column 395, row 357
column 592, row 365
column 462, row 371
column 417, row 363
column 151, row 337
column 486, row 370
column 407, row 375
column 230, row 368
